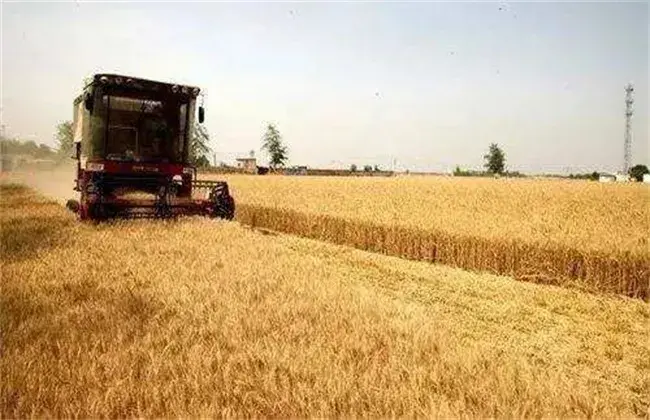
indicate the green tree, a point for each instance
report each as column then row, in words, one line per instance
column 495, row 159
column 64, row 138
column 353, row 168
column 637, row 172
column 272, row 143
column 30, row 148
column 43, row 152
column 199, row 148
column 202, row 162
column 367, row 168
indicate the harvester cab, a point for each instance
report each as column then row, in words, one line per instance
column 132, row 144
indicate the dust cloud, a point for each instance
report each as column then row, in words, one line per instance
column 56, row 184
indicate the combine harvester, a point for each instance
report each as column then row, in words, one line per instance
column 132, row 140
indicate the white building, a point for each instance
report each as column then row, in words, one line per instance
column 248, row 164
column 622, row 177
column 617, row 177
column 606, row 178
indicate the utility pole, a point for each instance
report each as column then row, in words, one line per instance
column 627, row 144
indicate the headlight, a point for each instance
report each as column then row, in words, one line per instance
column 103, row 79
column 175, row 88
column 196, row 91
column 118, row 80
column 94, row 167
column 188, row 171
column 184, row 89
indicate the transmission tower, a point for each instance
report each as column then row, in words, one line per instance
column 627, row 156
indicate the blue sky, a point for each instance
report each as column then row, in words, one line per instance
column 428, row 85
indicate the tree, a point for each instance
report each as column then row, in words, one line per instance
column 201, row 162
column 30, row 148
column 495, row 159
column 353, row 168
column 43, row 152
column 273, row 144
column 199, row 146
column 64, row 138
column 637, row 172
column 367, row 168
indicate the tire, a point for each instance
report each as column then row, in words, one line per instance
column 91, row 211
column 223, row 204
column 73, row 206
column 83, row 210
column 224, row 208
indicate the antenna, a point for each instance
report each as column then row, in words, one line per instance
column 627, row 154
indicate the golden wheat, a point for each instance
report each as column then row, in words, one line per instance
column 590, row 235
column 202, row 318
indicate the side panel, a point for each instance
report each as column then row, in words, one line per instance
column 86, row 131
column 81, row 131
column 78, row 125
column 76, row 120
column 189, row 130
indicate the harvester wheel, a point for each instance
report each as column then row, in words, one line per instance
column 224, row 204
column 95, row 212
column 83, row 208
column 225, row 208
column 72, row 205
column 90, row 211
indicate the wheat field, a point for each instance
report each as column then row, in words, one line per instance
column 199, row 318
column 588, row 235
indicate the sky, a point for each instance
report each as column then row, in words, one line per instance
column 404, row 85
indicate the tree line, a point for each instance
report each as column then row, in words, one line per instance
column 28, row 148
column 273, row 143
column 495, row 164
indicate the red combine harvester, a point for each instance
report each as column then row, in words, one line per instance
column 132, row 141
